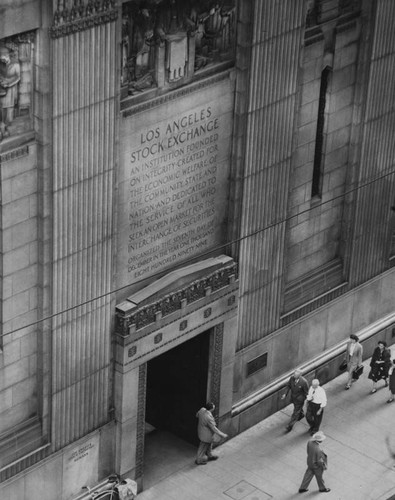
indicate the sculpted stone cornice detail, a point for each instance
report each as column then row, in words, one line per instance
column 135, row 355
column 129, row 109
column 72, row 16
column 14, row 154
column 146, row 315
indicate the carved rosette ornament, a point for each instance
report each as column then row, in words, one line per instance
column 72, row 16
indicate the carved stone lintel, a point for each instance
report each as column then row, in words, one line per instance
column 177, row 300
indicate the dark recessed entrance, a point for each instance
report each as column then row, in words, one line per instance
column 177, row 387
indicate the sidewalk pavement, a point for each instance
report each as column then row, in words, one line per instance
column 264, row 462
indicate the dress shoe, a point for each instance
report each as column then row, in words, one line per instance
column 326, row 490
column 212, row 457
column 200, row 463
column 302, row 490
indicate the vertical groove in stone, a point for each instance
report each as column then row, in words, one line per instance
column 277, row 39
column 85, row 89
column 377, row 158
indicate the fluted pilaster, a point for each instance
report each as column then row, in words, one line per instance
column 83, row 133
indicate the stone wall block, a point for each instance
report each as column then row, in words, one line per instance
column 340, row 119
column 13, row 168
column 307, row 133
column 16, row 212
column 308, row 113
column 341, row 99
column 24, row 324
column 14, row 373
column 23, row 391
column 17, row 16
column 346, row 56
column 343, row 78
column 11, row 352
column 310, row 92
column 313, row 51
column 336, row 159
column 24, row 185
column 16, row 260
column 24, row 233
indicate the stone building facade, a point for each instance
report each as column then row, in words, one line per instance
column 195, row 200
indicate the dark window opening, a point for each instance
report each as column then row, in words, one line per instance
column 316, row 187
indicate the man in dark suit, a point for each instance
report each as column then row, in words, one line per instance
column 298, row 387
column 206, row 431
column 317, row 462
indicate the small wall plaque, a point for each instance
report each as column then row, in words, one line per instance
column 183, row 325
column 231, row 300
column 256, row 364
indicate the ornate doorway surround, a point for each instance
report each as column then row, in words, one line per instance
column 176, row 308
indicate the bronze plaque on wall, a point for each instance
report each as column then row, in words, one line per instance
column 173, row 184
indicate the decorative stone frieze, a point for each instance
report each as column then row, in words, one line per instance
column 14, row 154
column 72, row 16
column 146, row 315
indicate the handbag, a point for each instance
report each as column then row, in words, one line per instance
column 357, row 372
column 343, row 365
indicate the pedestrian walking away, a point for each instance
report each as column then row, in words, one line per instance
column 316, row 402
column 353, row 358
column 206, row 432
column 380, row 364
column 391, row 382
column 299, row 388
column 317, row 462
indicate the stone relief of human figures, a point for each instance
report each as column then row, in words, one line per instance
column 16, row 84
column 10, row 75
column 184, row 30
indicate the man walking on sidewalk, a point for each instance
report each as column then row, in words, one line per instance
column 316, row 402
column 317, row 462
column 206, row 431
column 299, row 388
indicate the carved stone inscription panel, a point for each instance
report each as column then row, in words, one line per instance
column 174, row 181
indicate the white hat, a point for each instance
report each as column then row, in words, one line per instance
column 319, row 436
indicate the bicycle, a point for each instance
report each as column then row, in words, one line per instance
column 114, row 489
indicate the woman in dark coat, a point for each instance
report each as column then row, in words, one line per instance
column 380, row 364
column 391, row 378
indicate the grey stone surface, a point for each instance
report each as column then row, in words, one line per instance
column 263, row 462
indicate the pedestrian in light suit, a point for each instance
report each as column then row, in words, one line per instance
column 206, row 432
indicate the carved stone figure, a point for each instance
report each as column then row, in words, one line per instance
column 10, row 75
column 166, row 41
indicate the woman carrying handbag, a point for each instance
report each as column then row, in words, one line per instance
column 380, row 364
column 353, row 357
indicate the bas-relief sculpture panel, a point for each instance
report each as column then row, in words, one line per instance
column 16, row 62
column 166, row 42
column 173, row 189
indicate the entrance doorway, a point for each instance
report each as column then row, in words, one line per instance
column 176, row 389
